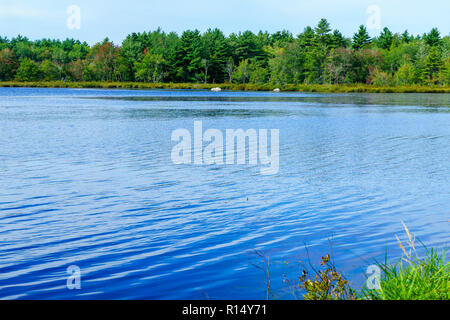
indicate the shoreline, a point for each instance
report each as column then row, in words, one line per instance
column 357, row 88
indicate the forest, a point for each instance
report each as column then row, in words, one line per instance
column 318, row 55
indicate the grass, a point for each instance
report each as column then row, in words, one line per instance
column 233, row 86
column 419, row 279
column 413, row 278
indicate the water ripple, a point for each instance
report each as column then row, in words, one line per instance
column 89, row 182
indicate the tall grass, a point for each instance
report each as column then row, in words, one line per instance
column 413, row 277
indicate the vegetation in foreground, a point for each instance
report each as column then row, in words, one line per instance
column 316, row 56
column 416, row 279
column 411, row 278
column 233, row 86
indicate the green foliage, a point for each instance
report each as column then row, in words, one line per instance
column 22, row 48
column 338, row 66
column 417, row 279
column 281, row 38
column 406, row 37
column 323, row 33
column 433, row 38
column 307, row 38
column 318, row 55
column 187, row 65
column 8, row 64
column 74, row 70
column 248, row 46
column 413, row 277
column 381, row 78
column 420, row 65
column 326, row 284
column 28, row 71
column 394, row 58
column 385, row 39
column 444, row 75
column 49, row 71
column 151, row 69
column 338, row 40
column 242, row 72
column 363, row 63
column 361, row 39
column 405, row 75
column 101, row 62
column 216, row 55
column 433, row 64
column 348, row 88
column 258, row 73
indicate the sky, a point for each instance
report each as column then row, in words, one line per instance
column 99, row 19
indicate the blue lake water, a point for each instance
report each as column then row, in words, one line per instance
column 86, row 179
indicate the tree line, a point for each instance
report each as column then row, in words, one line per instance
column 318, row 55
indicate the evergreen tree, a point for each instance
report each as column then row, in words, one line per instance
column 323, row 32
column 433, row 38
column 361, row 38
column 281, row 38
column 406, row 38
column 216, row 55
column 317, row 55
column 188, row 58
column 433, row 64
column 385, row 39
column 307, row 38
column 4, row 43
column 337, row 39
column 249, row 47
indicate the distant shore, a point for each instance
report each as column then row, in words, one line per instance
column 235, row 87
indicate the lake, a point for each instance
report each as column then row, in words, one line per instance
column 86, row 180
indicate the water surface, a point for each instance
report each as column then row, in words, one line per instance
column 86, row 179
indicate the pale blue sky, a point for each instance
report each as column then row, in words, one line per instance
column 116, row 19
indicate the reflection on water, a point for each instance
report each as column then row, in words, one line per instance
column 86, row 179
column 206, row 113
column 410, row 99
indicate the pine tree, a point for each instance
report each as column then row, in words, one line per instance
column 385, row 39
column 433, row 64
column 307, row 38
column 361, row 38
column 406, row 38
column 216, row 54
column 188, row 57
column 433, row 38
column 337, row 39
column 323, row 32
